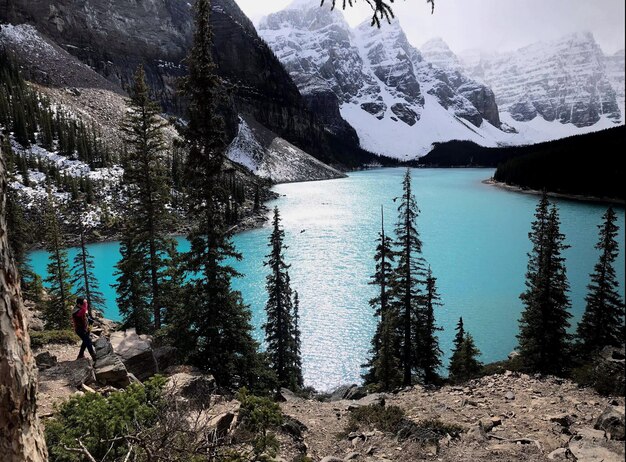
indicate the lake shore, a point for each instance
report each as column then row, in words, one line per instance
column 574, row 197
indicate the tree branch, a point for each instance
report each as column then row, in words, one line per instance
column 382, row 9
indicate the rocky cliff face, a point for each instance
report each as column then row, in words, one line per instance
column 381, row 83
column 566, row 80
column 115, row 36
column 614, row 65
column 448, row 69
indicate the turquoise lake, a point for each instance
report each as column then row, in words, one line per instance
column 475, row 239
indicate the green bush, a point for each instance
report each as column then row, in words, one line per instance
column 100, row 422
column 428, row 430
column 258, row 416
column 384, row 418
column 47, row 337
column 607, row 379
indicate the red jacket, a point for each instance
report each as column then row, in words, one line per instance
column 79, row 318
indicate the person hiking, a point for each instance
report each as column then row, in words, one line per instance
column 81, row 321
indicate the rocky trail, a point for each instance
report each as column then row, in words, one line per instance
column 504, row 417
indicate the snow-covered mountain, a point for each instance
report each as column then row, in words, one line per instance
column 614, row 65
column 401, row 99
column 568, row 80
column 374, row 79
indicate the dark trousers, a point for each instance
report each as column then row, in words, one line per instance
column 84, row 336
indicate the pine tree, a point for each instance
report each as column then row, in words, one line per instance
column 464, row 364
column 84, row 280
column 459, row 336
column 133, row 288
column 280, row 327
column 408, row 276
column 430, row 353
column 146, row 178
column 297, row 341
column 219, row 334
column 602, row 323
column 543, row 337
column 383, row 367
column 58, row 307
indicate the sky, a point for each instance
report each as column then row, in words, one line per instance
column 488, row 25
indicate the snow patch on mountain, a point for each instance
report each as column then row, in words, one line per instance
column 269, row 156
column 398, row 102
column 565, row 80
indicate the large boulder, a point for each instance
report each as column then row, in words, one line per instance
column 136, row 353
column 192, row 386
column 45, row 361
column 109, row 368
column 166, row 357
column 612, row 422
column 352, row 392
column 79, row 372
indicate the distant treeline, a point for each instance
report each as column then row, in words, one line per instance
column 589, row 164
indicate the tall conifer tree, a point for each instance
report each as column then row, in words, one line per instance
column 84, row 280
column 408, row 277
column 218, row 332
column 297, row 340
column 59, row 305
column 133, row 288
column 430, row 353
column 543, row 337
column 603, row 321
column 280, row 325
column 383, row 367
column 147, row 179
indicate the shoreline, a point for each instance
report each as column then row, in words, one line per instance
column 536, row 192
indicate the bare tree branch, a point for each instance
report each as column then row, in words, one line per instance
column 82, row 450
column 382, row 9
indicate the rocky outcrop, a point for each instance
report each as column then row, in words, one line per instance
column 612, row 422
column 109, row 368
column 136, row 353
column 269, row 156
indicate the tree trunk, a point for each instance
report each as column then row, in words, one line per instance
column 21, row 436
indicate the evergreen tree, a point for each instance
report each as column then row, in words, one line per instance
column 430, row 353
column 133, row 288
column 459, row 336
column 280, row 324
column 297, row 341
column 146, row 178
column 59, row 305
column 84, row 280
column 408, row 276
column 603, row 321
column 543, row 337
column 383, row 367
column 464, row 364
column 218, row 335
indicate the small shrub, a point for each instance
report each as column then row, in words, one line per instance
column 48, row 337
column 101, row 423
column 428, row 430
column 605, row 378
column 384, row 418
column 258, row 416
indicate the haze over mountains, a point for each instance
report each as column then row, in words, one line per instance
column 401, row 99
